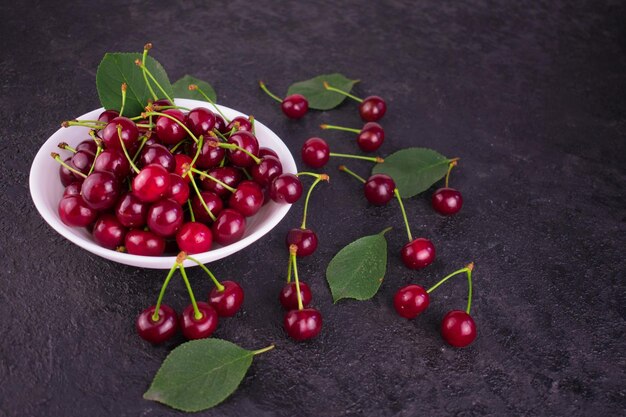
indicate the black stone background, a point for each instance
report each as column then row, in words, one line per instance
column 529, row 94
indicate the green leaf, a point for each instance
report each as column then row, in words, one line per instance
column 117, row 68
column 414, row 170
column 200, row 374
column 181, row 89
column 319, row 98
column 359, row 268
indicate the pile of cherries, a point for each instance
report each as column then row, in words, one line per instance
column 168, row 180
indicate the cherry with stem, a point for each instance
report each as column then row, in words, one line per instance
column 146, row 48
column 369, row 138
column 226, row 298
column 293, row 106
column 194, row 87
column 316, row 153
column 379, row 188
column 371, row 108
column 447, row 201
column 172, row 118
column 418, row 253
column 142, row 64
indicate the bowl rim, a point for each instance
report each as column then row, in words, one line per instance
column 159, row 262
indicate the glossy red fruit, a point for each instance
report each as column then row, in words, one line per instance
column 379, row 189
column 240, row 124
column 210, row 155
column 73, row 211
column 108, row 232
column 151, row 184
column 194, row 237
column 178, row 189
column 157, row 154
column 181, row 162
column 114, row 162
column 66, row 176
column 213, row 203
column 227, row 302
column 82, row 161
column 295, row 106
column 169, row 131
column 304, row 239
column 72, row 189
column 372, row 108
column 140, row 242
column 228, row 175
column 286, row 188
column 244, row 140
column 410, row 301
column 100, row 190
column 458, row 328
column 130, row 211
column 199, row 328
column 200, row 121
column 220, row 124
column 129, row 135
column 265, row 172
column 447, row 201
column 418, row 254
column 108, row 115
column 289, row 295
column 315, row 152
column 247, row 198
column 371, row 137
column 267, row 152
column 88, row 145
column 303, row 324
column 165, row 217
column 160, row 330
column 229, row 227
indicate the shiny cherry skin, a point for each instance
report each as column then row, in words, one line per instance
column 140, row 242
column 303, row 324
column 410, row 301
column 159, row 331
column 447, row 201
column 228, row 175
column 265, row 172
column 198, row 328
column 285, row 188
column 165, row 217
column 288, row 296
column 100, row 190
column 200, row 121
column 129, row 135
column 72, row 189
column 131, row 211
column 220, row 124
column 240, row 124
column 418, row 254
column 194, row 237
column 263, row 151
column 295, row 106
column 227, row 302
column 458, row 328
column 247, row 198
column 379, row 189
column 157, row 154
column 372, row 108
column 213, row 202
column 108, row 232
column 371, row 137
column 169, row 131
column 82, row 161
column 229, row 227
column 315, row 152
column 67, row 177
column 114, row 162
column 247, row 141
column 151, row 184
column 162, row 102
column 178, row 190
column 304, row 239
column 181, row 161
column 73, row 211
column 210, row 154
column 88, row 145
column 108, row 115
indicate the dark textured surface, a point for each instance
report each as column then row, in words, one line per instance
column 529, row 95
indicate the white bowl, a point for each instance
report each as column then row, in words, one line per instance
column 46, row 190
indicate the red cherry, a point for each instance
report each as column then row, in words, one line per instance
column 303, row 324
column 212, row 201
column 244, row 140
column 229, row 227
column 379, row 189
column 228, row 175
column 130, row 211
column 182, row 161
column 151, row 183
column 67, row 177
column 72, row 189
column 372, row 108
column 169, row 131
column 315, row 152
column 108, row 232
column 178, row 189
column 418, row 254
column 108, row 115
column 165, row 217
column 140, row 242
column 371, row 137
column 221, row 125
column 286, row 188
column 210, row 155
column 267, row 152
column 447, row 201
column 157, row 154
column 240, row 123
column 458, row 328
column 157, row 331
column 82, row 161
column 247, row 198
column 194, row 237
column 228, row 301
column 200, row 121
column 129, row 135
column 73, row 211
column 289, row 296
column 100, row 190
column 114, row 162
column 265, row 171
column 194, row 328
column 410, row 301
column 295, row 106
column 304, row 239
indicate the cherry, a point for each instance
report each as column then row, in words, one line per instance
column 447, row 201
column 140, row 242
column 82, row 161
column 372, row 108
column 194, row 237
column 228, row 175
column 129, row 135
column 169, row 131
column 371, row 137
column 221, row 125
column 162, row 102
column 458, row 328
column 303, row 324
column 240, row 123
column 200, row 121
column 68, row 177
column 182, row 161
column 100, row 190
column 247, row 198
column 263, row 151
column 72, row 189
column 198, row 328
column 88, row 145
column 244, row 140
column 108, row 232
column 418, row 253
column 295, row 106
column 73, row 211
column 130, row 211
column 108, row 115
column 151, row 183
column 315, row 152
column 229, row 227
column 285, row 188
column 228, row 301
column 212, row 201
column 268, row 169
column 304, row 239
column 379, row 189
column 160, row 330
column 178, row 189
column 210, row 155
column 114, row 162
column 165, row 217
column 157, row 154
column 289, row 295
column 410, row 301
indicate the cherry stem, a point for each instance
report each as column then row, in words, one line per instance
column 123, row 88
column 155, row 316
column 220, row 135
column 147, row 72
column 468, row 270
column 218, row 285
column 376, row 159
column 196, row 313
column 406, row 221
column 252, row 120
column 289, row 271
column 146, row 48
column 156, row 113
column 198, row 150
column 157, row 108
column 195, row 187
column 292, row 254
column 354, row 174
column 57, row 158
column 141, row 145
column 269, row 93
column 312, row 174
column 132, row 164
column 232, row 146
column 321, row 177
column 450, row 166
column 177, row 146
column 345, row 129
column 336, row 90
column 66, row 147
column 212, row 178
column 193, row 87
column 256, row 352
column 98, row 151
column 93, row 124
column 193, row 217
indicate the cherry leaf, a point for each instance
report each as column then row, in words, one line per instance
column 320, row 98
column 181, row 89
column 359, row 268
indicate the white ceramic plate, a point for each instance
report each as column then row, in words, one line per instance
column 46, row 190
